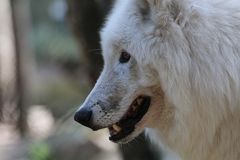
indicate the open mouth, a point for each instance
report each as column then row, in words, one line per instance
column 126, row 125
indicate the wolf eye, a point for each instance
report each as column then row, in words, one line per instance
column 125, row 57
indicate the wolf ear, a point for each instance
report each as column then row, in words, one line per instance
column 145, row 8
column 152, row 9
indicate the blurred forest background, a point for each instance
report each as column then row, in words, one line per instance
column 49, row 60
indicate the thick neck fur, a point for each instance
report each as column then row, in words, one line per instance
column 200, row 76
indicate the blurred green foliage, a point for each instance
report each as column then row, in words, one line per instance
column 53, row 44
column 40, row 151
column 51, row 38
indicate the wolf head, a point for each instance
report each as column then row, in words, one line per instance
column 172, row 65
column 128, row 96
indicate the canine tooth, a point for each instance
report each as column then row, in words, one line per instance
column 117, row 128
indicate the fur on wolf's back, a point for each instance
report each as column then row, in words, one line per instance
column 195, row 47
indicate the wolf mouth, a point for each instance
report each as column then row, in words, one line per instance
column 126, row 125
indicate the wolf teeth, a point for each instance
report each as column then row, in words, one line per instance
column 117, row 128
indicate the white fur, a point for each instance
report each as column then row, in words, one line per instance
column 194, row 47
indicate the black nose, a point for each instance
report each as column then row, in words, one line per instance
column 83, row 116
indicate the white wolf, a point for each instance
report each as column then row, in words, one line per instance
column 172, row 66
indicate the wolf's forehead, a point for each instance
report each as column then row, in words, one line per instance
column 120, row 26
